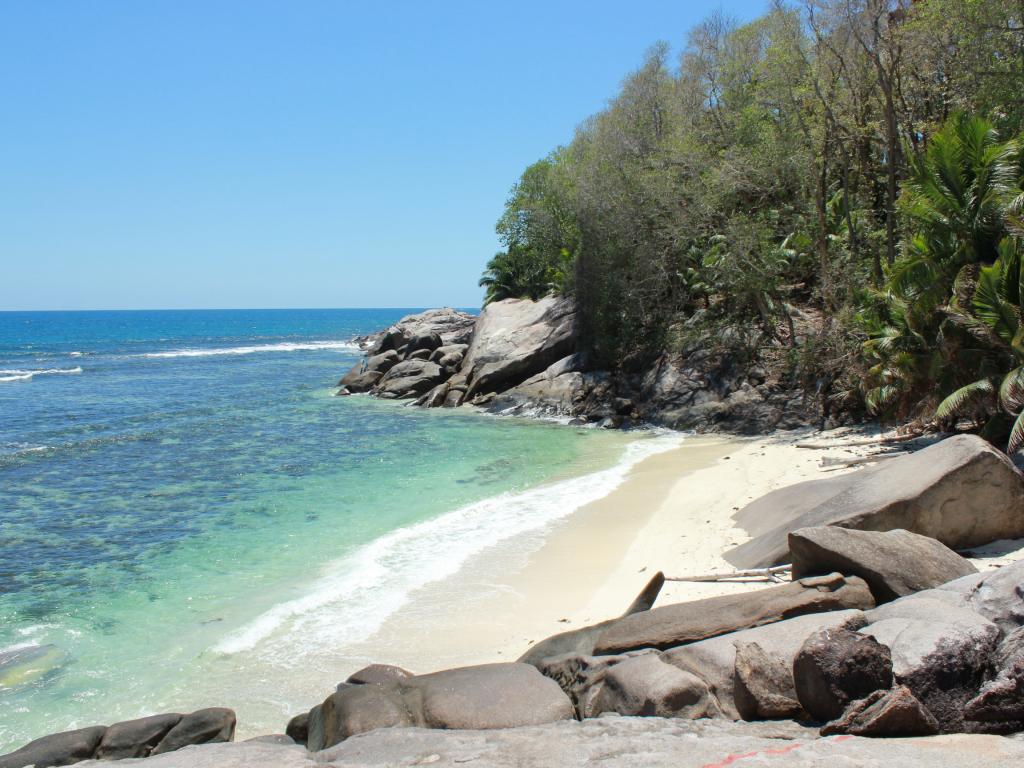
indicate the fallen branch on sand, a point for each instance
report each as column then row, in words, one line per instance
column 858, row 443
column 755, row 574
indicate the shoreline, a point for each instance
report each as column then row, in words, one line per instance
column 590, row 565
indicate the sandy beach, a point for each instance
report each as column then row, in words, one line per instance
column 674, row 513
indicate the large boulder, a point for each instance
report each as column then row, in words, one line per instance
column 135, row 738
column 410, row 378
column 451, row 325
column 56, row 749
column 961, row 491
column 359, row 380
column 942, row 652
column 836, row 667
column 893, row 563
column 714, row 660
column 515, row 339
column 486, row 696
column 682, row 623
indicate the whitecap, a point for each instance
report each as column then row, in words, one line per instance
column 357, row 594
column 26, row 375
column 286, row 346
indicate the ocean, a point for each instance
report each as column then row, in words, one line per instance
column 189, row 517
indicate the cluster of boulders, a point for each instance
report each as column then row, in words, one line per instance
column 143, row 737
column 448, row 358
column 523, row 357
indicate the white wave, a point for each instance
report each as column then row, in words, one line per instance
column 26, row 375
column 286, row 346
column 74, row 354
column 357, row 594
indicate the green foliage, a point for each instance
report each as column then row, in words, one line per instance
column 824, row 186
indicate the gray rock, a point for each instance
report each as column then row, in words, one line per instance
column 486, row 696
column 683, row 623
column 893, row 563
column 418, row 354
column 56, row 749
column 628, row 742
column 204, row 726
column 356, row 709
column 940, row 651
column 452, row 326
column 436, row 397
column 960, row 491
column 763, row 687
column 357, row 380
column 885, row 713
column 135, row 738
column 377, row 674
column 998, row 595
column 646, row 686
column 383, row 362
column 410, row 378
column 245, row 754
column 429, row 341
column 714, row 660
column 836, row 667
column 515, row 339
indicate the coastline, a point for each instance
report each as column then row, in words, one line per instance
column 672, row 512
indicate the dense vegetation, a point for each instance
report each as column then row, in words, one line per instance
column 835, row 186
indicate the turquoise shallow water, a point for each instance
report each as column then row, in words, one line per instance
column 187, row 513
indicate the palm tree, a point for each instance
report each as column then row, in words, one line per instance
column 960, row 200
column 995, row 316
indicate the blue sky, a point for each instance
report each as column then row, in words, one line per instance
column 174, row 154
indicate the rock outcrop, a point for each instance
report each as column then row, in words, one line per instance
column 893, row 563
column 961, row 491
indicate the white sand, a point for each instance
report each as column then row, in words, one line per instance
column 672, row 513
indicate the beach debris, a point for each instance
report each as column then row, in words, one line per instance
column 773, row 574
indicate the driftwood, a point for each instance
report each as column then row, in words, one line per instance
column 757, row 574
column 857, row 443
column 830, row 465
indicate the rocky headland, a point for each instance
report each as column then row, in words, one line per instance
column 524, row 357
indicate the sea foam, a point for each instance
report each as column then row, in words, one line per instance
column 26, row 375
column 286, row 346
column 357, row 594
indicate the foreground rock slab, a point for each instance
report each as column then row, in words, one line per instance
column 614, row 742
column 961, row 491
